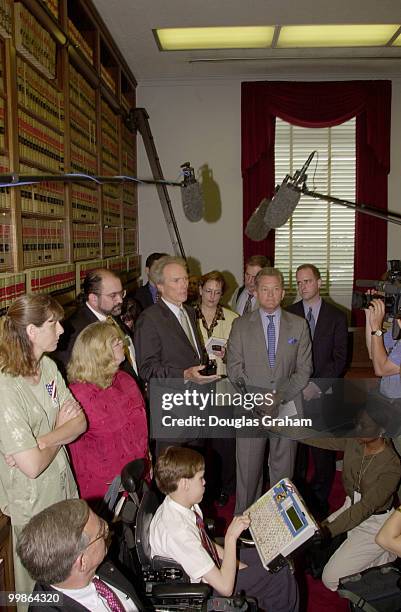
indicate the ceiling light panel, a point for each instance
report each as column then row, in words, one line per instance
column 336, row 35
column 249, row 37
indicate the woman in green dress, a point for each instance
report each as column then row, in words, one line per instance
column 38, row 415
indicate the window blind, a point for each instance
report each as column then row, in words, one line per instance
column 318, row 232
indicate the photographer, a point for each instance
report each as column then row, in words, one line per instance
column 385, row 351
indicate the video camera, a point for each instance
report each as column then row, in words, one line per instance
column 389, row 291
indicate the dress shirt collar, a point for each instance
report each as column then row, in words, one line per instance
column 99, row 316
column 315, row 308
column 186, row 512
column 173, row 307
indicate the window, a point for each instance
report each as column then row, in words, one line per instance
column 318, row 232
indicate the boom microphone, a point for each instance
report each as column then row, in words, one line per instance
column 256, row 228
column 191, row 194
column 287, row 197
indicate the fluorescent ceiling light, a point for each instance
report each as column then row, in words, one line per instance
column 249, row 37
column 335, row 35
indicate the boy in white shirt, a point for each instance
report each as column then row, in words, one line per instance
column 177, row 532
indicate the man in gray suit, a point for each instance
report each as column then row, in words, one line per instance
column 270, row 349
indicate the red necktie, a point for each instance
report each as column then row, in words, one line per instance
column 109, row 595
column 207, row 543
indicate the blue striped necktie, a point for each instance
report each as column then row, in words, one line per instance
column 271, row 341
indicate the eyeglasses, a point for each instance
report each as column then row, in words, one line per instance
column 103, row 535
column 116, row 294
column 213, row 291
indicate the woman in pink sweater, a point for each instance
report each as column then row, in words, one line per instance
column 117, row 429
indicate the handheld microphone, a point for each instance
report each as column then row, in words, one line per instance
column 191, row 194
column 240, row 385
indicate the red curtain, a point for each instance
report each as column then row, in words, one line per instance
column 317, row 105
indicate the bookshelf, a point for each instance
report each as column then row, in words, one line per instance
column 65, row 95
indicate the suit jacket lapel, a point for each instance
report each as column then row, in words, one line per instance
column 320, row 320
column 257, row 336
column 115, row 578
column 283, row 337
column 175, row 322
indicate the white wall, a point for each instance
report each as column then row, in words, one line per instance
column 200, row 122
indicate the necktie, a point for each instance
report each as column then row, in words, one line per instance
column 248, row 304
column 127, row 352
column 186, row 327
column 108, row 594
column 207, row 543
column 271, row 341
column 311, row 320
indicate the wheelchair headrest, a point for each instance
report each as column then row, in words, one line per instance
column 132, row 475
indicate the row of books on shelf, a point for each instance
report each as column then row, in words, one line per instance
column 11, row 287
column 5, row 198
column 5, row 18
column 82, row 95
column 107, row 77
column 52, row 6
column 2, row 124
column 83, row 161
column 110, row 121
column 42, row 198
column 62, row 277
column 43, row 242
column 84, row 136
column 110, row 162
column 130, row 240
column 40, row 144
column 111, row 241
column 34, row 42
column 39, row 96
column 86, row 240
column 126, row 103
column 51, row 278
column 1, row 68
column 111, row 195
column 110, row 144
column 128, row 161
column 6, row 262
column 85, row 203
column 79, row 41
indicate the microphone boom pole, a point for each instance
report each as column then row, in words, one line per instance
column 389, row 216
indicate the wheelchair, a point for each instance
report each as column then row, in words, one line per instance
column 163, row 583
column 377, row 589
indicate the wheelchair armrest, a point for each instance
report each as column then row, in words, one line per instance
column 178, row 590
column 161, row 563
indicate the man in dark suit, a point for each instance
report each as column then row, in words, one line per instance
column 268, row 349
column 166, row 338
column 63, row 549
column 102, row 297
column 244, row 299
column 329, row 332
column 147, row 294
column 167, row 341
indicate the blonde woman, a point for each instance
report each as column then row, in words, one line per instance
column 37, row 416
column 117, row 430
